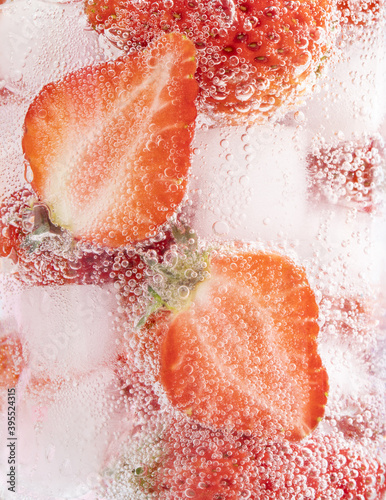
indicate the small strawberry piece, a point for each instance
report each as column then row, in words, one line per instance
column 348, row 174
column 243, row 354
column 350, row 318
column 109, row 145
column 253, row 56
column 361, row 12
column 12, row 210
column 11, row 361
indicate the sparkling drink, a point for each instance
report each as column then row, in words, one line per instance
column 192, row 245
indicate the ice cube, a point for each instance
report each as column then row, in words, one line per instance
column 352, row 97
column 65, row 434
column 347, row 247
column 68, row 330
column 249, row 183
column 42, row 41
column 355, row 387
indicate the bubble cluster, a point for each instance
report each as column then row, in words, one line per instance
column 361, row 12
column 189, row 461
column 350, row 173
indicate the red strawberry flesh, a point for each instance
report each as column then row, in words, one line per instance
column 243, row 355
column 109, row 145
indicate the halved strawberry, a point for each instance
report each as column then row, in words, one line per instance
column 350, row 173
column 241, row 351
column 109, row 145
column 253, row 56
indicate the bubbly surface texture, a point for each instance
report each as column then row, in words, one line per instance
column 253, row 56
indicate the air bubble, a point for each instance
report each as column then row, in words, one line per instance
column 220, row 228
column 183, row 292
column 244, row 92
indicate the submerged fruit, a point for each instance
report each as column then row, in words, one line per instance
column 11, row 362
column 109, row 145
column 191, row 461
column 348, row 173
column 45, row 254
column 242, row 353
column 253, row 56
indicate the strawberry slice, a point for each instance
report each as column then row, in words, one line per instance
column 253, row 56
column 242, row 353
column 109, row 145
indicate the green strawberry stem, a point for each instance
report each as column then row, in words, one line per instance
column 175, row 279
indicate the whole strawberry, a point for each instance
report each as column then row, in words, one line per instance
column 253, row 56
column 187, row 460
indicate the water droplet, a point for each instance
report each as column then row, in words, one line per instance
column 244, row 180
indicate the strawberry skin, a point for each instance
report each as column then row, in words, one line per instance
column 253, row 56
column 243, row 354
column 205, row 464
column 45, row 255
column 11, row 220
column 109, row 145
